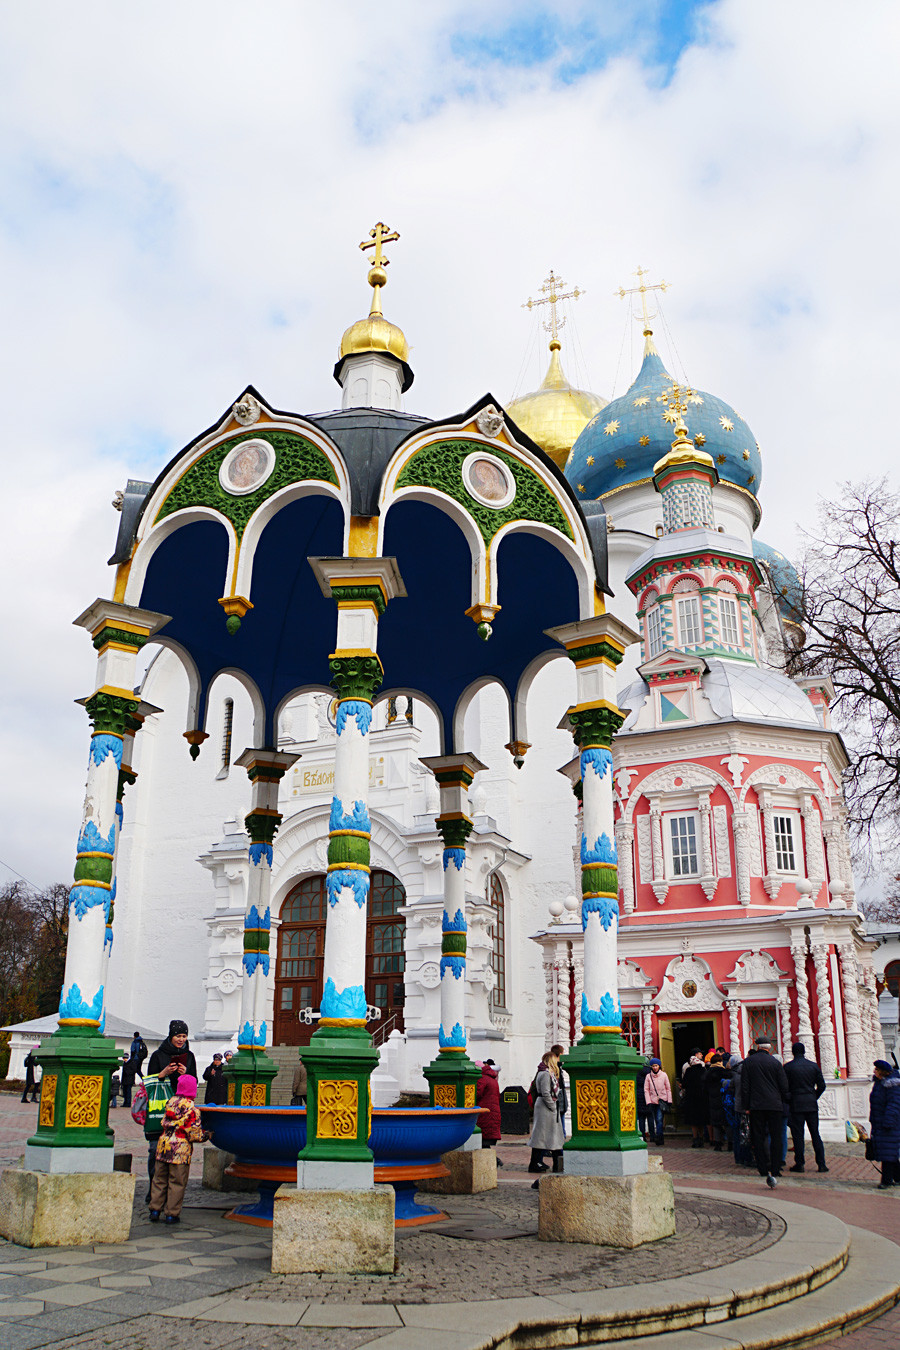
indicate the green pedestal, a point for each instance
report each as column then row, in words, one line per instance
column 249, row 1077
column 451, row 1080
column 77, row 1064
column 602, row 1069
column 338, row 1062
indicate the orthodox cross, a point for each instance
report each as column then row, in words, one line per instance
column 643, row 291
column 552, row 293
column 676, row 399
column 382, row 234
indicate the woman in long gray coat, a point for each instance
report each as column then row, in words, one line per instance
column 547, row 1130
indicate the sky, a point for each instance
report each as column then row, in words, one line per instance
column 184, row 187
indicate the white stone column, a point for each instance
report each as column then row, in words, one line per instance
column 784, row 1018
column 708, row 880
column 857, row 1059
column 827, row 1047
column 647, row 1021
column 734, row 1026
column 660, row 885
column 741, row 824
column 772, row 881
column 801, row 986
column 578, row 989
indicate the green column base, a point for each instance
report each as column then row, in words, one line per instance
column 249, row 1077
column 77, row 1064
column 338, row 1062
column 602, row 1069
column 451, row 1080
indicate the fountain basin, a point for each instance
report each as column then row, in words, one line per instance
column 407, row 1143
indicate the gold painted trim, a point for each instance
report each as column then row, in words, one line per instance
column 116, row 693
column 342, row 1021
column 362, row 540
column 349, row 867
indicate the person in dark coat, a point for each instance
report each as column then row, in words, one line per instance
column 807, row 1084
column 30, row 1064
column 766, row 1096
column 884, row 1117
column 216, row 1092
column 173, row 1058
column 716, row 1075
column 693, row 1097
column 643, row 1112
column 487, row 1093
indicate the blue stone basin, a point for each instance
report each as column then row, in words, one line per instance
column 267, row 1139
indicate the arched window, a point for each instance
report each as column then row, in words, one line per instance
column 301, row 950
column 494, row 897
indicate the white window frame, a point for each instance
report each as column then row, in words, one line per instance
column 729, row 605
column 668, row 846
column 689, row 604
column 656, row 642
column 796, row 840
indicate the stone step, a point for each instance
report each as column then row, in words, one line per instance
column 868, row 1286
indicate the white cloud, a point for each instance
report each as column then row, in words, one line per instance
column 185, row 188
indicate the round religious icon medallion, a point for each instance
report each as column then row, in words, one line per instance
column 488, row 480
column 689, row 989
column 246, row 467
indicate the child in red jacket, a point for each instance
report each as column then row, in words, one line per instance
column 180, row 1132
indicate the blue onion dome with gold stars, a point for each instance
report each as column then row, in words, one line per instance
column 620, row 446
column 787, row 588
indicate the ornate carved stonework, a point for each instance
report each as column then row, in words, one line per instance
column 429, row 975
column 246, row 411
column 756, row 968
column 688, row 776
column 489, row 421
column 689, row 987
column 630, row 976
column 735, row 764
column 771, row 775
column 720, row 835
column 756, row 865
column 645, row 856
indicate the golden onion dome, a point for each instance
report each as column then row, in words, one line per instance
column 375, row 333
column 555, row 415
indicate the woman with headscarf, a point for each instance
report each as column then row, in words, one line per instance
column 547, row 1130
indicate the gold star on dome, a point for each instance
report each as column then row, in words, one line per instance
column 700, row 439
column 752, row 478
column 581, row 487
column 590, row 460
column 670, row 415
column 695, row 398
column 726, row 424
column 620, row 464
column 611, row 428
column 757, row 446
column 746, row 454
column 720, row 459
column 645, row 440
column 639, row 402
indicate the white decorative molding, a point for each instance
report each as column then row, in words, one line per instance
column 690, row 776
column 631, row 976
column 428, row 975
column 623, row 779
column 857, row 1059
column 756, row 863
column 708, row 880
column 815, row 851
column 735, row 764
column 624, row 831
column 827, row 1047
column 720, row 835
column 743, row 825
column 756, row 967
column 645, row 855
column 246, row 411
column 489, row 421
column 734, row 1026
column 688, row 986
column 801, row 984
column 769, row 776
column 660, row 885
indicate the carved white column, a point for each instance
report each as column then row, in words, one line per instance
column 740, row 824
column 563, row 1001
column 734, row 1026
column 784, row 1017
column 827, row 1048
column 832, row 832
column 815, row 854
column 647, row 1017
column 550, row 982
column 660, row 885
column 801, row 985
column 624, row 842
column 708, row 880
column 772, row 881
column 578, row 970
column 876, row 1038
column 857, row 1059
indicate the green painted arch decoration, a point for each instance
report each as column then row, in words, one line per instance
column 439, row 465
column 297, row 460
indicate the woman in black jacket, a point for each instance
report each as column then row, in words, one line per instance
column 716, row 1075
column 693, row 1098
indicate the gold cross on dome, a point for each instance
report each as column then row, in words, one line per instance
column 382, row 234
column 676, row 399
column 643, row 291
column 552, row 293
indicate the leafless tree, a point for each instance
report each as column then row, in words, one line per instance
column 850, row 609
column 33, row 929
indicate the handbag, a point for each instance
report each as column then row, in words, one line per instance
column 870, row 1150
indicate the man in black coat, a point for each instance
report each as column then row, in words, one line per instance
column 216, row 1087
column 806, row 1085
column 765, row 1095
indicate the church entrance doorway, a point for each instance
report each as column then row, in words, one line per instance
column 682, row 1033
column 301, row 949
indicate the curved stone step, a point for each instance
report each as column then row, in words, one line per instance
column 868, row 1286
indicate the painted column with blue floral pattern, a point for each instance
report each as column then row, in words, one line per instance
column 77, row 1061
column 602, row 1066
column 340, row 1056
column 250, row 1072
column 452, row 1076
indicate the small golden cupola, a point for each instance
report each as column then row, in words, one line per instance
column 555, row 414
column 372, row 367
